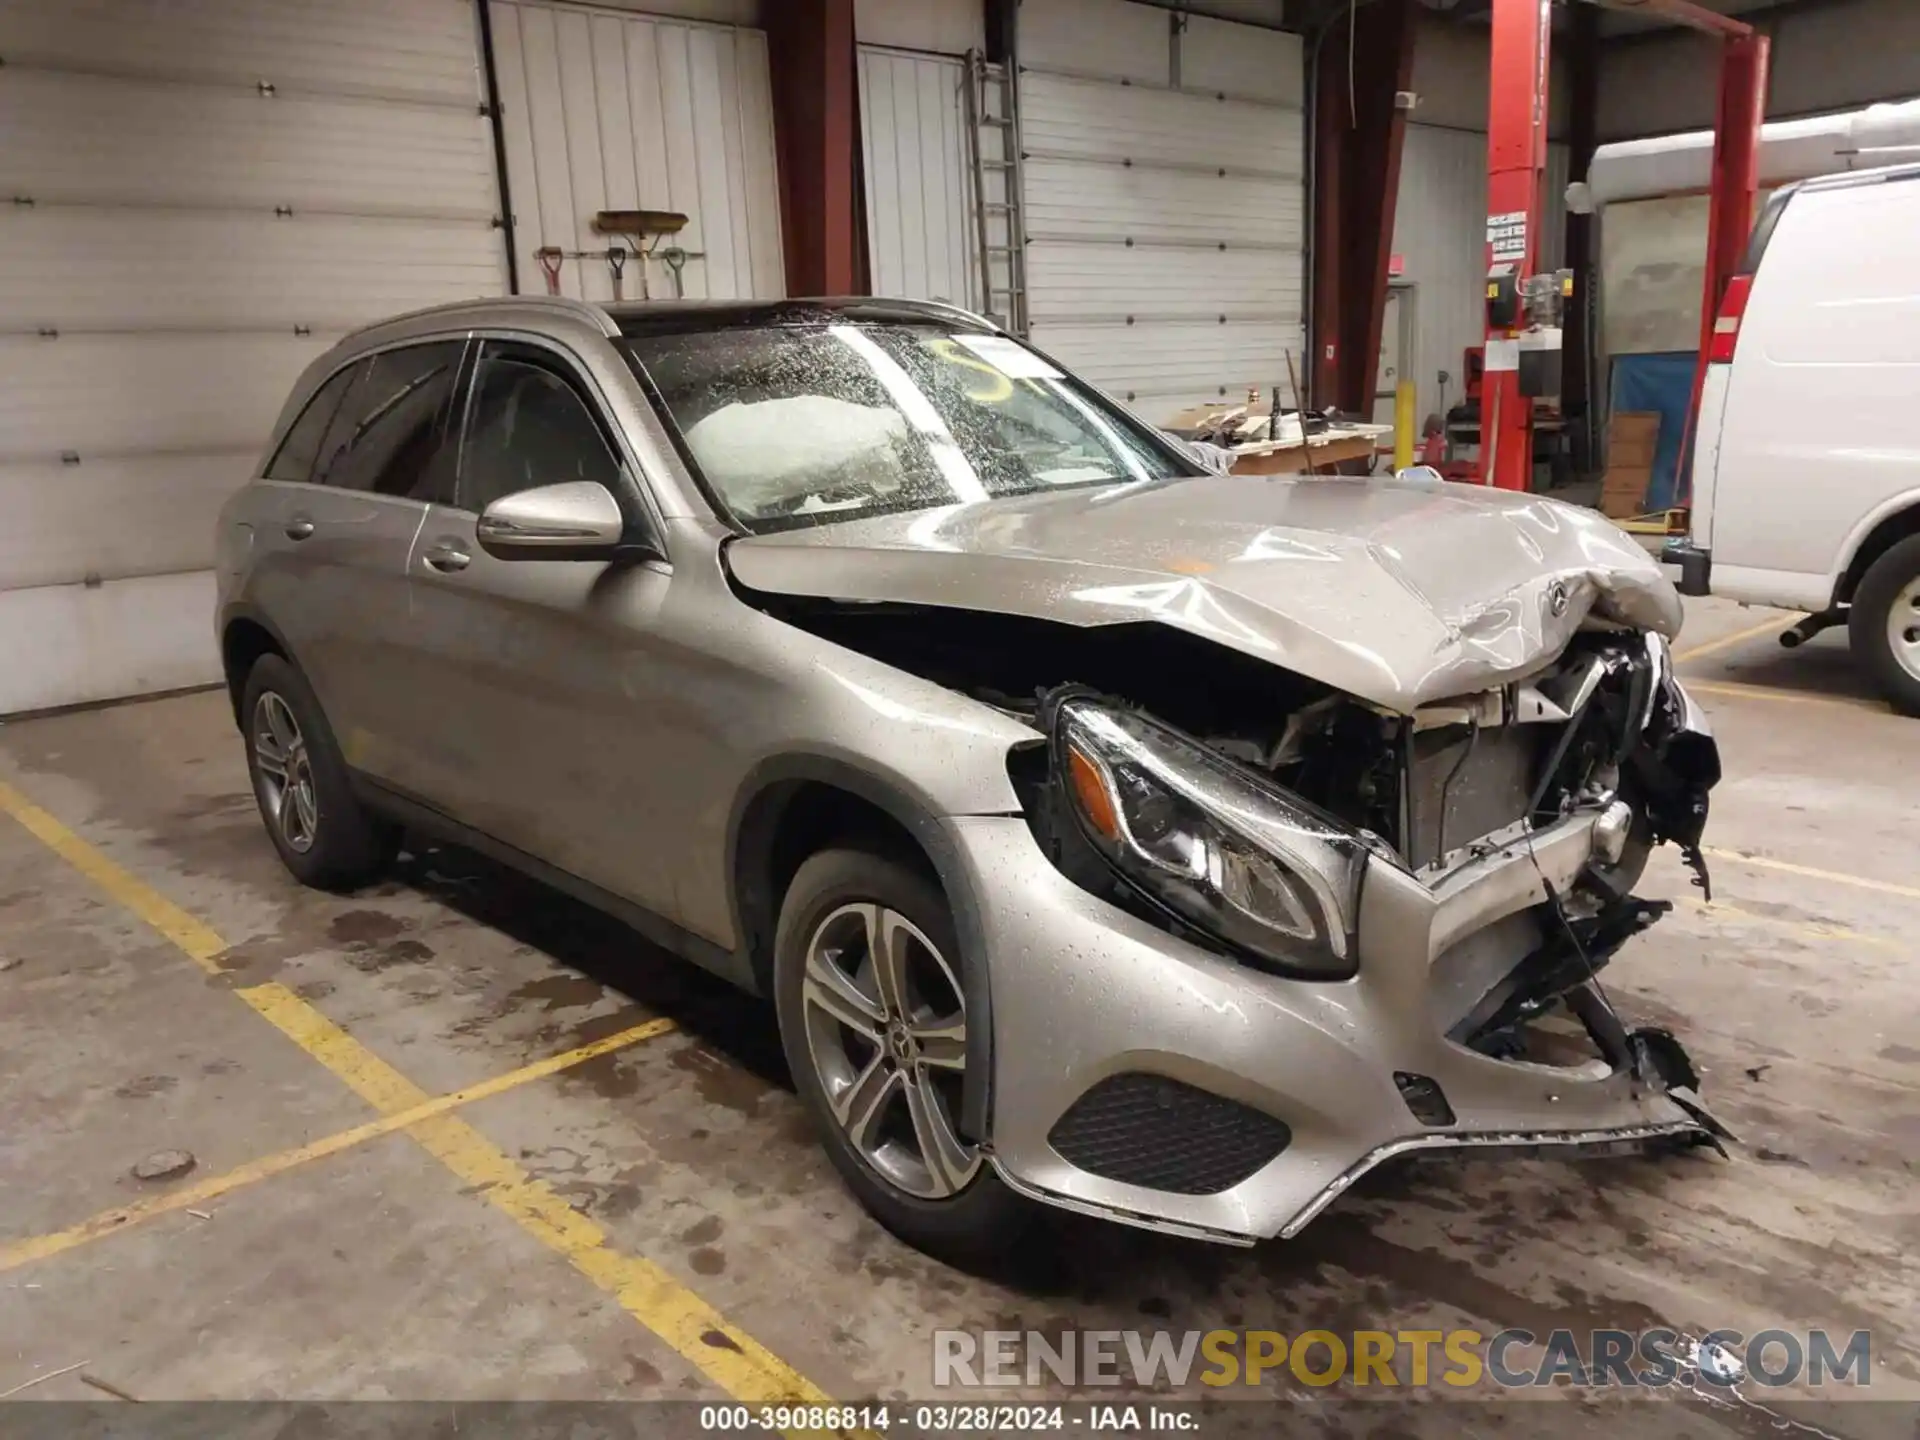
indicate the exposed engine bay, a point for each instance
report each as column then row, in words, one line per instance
column 1598, row 732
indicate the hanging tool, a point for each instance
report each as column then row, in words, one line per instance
column 617, row 264
column 649, row 227
column 550, row 258
column 675, row 259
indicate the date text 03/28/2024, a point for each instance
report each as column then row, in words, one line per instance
column 943, row 1419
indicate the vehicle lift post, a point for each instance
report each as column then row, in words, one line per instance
column 1523, row 307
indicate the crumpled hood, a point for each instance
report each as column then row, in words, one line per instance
column 1397, row 592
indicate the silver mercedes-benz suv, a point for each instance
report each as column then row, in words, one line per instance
column 1160, row 844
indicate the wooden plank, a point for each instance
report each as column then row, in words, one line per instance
column 1292, row 459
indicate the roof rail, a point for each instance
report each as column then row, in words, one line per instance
column 557, row 304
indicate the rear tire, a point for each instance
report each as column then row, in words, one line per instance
column 325, row 836
column 1883, row 625
column 878, row 1062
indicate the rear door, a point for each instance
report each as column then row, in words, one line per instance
column 336, row 584
column 540, row 679
column 1718, row 383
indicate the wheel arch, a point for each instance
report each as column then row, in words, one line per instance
column 246, row 635
column 1879, row 531
column 791, row 806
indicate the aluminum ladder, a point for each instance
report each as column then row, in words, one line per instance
column 999, row 243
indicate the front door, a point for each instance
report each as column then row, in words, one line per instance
column 537, row 679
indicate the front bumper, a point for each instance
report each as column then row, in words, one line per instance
column 1696, row 565
column 1083, row 992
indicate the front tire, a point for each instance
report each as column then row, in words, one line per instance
column 873, row 1020
column 1883, row 625
column 324, row 835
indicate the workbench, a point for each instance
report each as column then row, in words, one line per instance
column 1331, row 448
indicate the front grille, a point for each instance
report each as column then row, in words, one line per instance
column 1162, row 1134
column 1462, row 789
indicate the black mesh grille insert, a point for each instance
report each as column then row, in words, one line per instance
column 1162, row 1134
column 1424, row 1098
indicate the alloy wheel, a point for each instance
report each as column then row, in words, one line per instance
column 1903, row 627
column 285, row 772
column 886, row 1031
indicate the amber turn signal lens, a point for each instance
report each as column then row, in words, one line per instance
column 1090, row 789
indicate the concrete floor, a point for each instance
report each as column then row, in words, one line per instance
column 375, row 1272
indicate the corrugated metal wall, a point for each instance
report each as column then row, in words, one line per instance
column 1440, row 227
column 922, row 228
column 945, row 27
column 611, row 111
column 1164, row 200
column 208, row 194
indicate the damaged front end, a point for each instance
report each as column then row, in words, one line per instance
column 1218, row 841
column 1251, row 935
column 1466, row 869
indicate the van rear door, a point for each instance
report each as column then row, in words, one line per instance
column 1720, row 355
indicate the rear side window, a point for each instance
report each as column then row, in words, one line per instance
column 390, row 435
column 1763, row 229
column 295, row 457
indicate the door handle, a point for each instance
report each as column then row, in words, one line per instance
column 299, row 528
column 448, row 557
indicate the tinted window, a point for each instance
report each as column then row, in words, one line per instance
column 528, row 426
column 1763, row 229
column 294, row 459
column 805, row 424
column 390, row 433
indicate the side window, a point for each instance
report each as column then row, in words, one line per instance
column 528, row 426
column 390, row 435
column 294, row 459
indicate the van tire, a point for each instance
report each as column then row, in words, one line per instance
column 1888, row 581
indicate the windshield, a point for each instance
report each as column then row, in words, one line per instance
column 807, row 424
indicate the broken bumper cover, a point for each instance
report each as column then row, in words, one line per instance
column 1143, row 1079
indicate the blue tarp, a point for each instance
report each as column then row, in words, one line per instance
column 1664, row 383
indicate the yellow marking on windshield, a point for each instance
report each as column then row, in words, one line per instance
column 1002, row 387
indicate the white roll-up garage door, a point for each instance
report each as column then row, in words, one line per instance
column 611, row 111
column 1164, row 199
column 195, row 199
column 923, row 238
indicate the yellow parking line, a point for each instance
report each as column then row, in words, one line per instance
column 1859, row 882
column 1814, row 929
column 1739, row 691
column 193, row 939
column 125, row 1217
column 1727, row 642
column 729, row 1357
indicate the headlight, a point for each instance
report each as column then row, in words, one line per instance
column 1239, row 859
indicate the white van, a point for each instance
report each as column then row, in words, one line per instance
column 1806, row 489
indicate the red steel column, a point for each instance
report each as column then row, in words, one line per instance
column 1516, row 161
column 816, row 136
column 1583, row 55
column 1358, row 136
column 1736, row 177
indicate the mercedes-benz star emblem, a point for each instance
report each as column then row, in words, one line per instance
column 1557, row 598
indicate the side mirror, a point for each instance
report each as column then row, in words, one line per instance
column 578, row 520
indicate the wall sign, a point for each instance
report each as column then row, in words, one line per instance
column 1507, row 235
